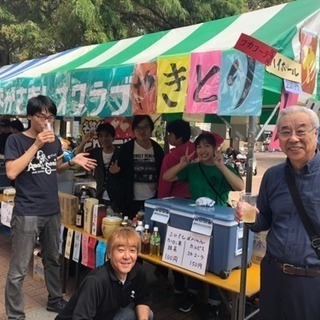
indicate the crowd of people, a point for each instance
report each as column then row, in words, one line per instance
column 139, row 170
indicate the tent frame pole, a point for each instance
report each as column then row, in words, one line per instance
column 248, row 188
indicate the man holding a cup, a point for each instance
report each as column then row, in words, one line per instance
column 33, row 158
column 290, row 270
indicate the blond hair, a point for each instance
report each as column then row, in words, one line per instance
column 124, row 236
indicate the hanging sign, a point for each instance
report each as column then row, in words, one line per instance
column 255, row 49
column 285, row 68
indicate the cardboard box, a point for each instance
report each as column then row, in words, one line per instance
column 98, row 213
column 6, row 212
column 38, row 271
column 69, row 205
column 88, row 209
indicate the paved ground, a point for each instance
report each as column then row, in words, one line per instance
column 163, row 300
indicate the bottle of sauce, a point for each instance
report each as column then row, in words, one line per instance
column 80, row 216
column 155, row 242
column 145, row 240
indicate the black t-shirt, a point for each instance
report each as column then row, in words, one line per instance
column 36, row 186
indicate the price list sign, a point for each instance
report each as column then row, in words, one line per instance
column 186, row 249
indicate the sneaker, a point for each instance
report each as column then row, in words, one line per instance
column 56, row 306
column 188, row 303
column 211, row 312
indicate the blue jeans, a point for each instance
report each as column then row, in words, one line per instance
column 129, row 313
column 25, row 231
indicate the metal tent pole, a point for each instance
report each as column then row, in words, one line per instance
column 243, row 278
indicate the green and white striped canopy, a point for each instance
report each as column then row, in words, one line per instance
column 277, row 26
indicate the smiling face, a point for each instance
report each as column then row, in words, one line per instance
column 298, row 138
column 123, row 257
column 205, row 152
column 123, row 249
column 105, row 139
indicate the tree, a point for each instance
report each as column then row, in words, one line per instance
column 30, row 29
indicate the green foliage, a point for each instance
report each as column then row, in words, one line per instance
column 30, row 28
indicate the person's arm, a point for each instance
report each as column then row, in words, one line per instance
column 171, row 174
column 86, row 138
column 16, row 166
column 142, row 312
column 234, row 180
column 80, row 159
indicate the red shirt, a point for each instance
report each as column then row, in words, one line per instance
column 176, row 188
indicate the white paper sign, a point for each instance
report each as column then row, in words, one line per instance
column 186, row 249
column 68, row 243
column 76, row 246
column 161, row 215
column 294, row 87
column 6, row 212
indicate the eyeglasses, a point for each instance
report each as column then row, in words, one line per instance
column 43, row 117
column 143, row 128
column 300, row 133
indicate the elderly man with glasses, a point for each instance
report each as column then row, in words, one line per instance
column 290, row 270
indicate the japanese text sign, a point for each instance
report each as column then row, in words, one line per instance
column 285, row 68
column 144, row 88
column 241, row 79
column 255, row 49
column 186, row 249
column 173, row 73
column 204, row 81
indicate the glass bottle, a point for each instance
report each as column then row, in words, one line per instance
column 80, row 216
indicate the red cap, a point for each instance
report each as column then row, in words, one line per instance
column 217, row 138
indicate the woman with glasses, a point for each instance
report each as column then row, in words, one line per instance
column 138, row 167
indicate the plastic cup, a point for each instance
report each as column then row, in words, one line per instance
column 249, row 207
column 49, row 127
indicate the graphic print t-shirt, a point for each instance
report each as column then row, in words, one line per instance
column 145, row 173
column 36, row 186
column 106, row 160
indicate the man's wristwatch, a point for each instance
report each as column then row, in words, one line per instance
column 69, row 163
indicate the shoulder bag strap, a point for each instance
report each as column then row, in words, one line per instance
column 211, row 185
column 315, row 240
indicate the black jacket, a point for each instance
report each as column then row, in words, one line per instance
column 126, row 175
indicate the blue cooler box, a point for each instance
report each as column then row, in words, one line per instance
column 226, row 238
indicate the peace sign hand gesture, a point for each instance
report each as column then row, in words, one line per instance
column 186, row 159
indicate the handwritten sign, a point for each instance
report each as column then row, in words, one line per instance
column 255, row 49
column 6, row 212
column 68, row 243
column 186, row 249
column 293, row 87
column 76, row 246
column 285, row 68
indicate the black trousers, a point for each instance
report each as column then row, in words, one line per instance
column 287, row 297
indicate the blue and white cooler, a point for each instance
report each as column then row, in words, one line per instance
column 226, row 234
